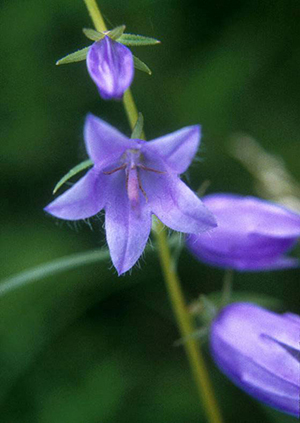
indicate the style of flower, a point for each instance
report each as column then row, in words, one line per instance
column 110, row 65
column 132, row 179
column 252, row 234
column 259, row 351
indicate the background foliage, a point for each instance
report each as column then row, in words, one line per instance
column 87, row 346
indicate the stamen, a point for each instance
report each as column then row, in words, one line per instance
column 115, row 170
column 141, row 187
column 133, row 181
column 149, row 169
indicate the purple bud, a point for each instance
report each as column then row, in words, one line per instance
column 252, row 234
column 110, row 65
column 260, row 352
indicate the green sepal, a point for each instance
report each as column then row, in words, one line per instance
column 138, row 127
column 137, row 40
column 138, row 64
column 262, row 300
column 77, row 56
column 92, row 34
column 116, row 33
column 81, row 166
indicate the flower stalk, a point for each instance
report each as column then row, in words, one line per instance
column 186, row 328
column 184, row 320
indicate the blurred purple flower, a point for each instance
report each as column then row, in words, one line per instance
column 252, row 234
column 131, row 179
column 110, row 65
column 260, row 352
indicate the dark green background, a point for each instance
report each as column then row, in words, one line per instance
column 87, row 346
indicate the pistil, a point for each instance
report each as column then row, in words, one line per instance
column 132, row 185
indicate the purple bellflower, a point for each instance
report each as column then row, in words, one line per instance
column 252, row 234
column 132, row 179
column 110, row 65
column 259, row 351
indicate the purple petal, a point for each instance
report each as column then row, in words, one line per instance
column 84, row 199
column 243, row 253
column 110, row 65
column 257, row 350
column 104, row 143
column 253, row 215
column 127, row 225
column 177, row 149
column 175, row 204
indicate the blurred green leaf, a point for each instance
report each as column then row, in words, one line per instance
column 79, row 168
column 137, row 40
column 77, row 56
column 36, row 305
column 88, row 375
column 138, row 64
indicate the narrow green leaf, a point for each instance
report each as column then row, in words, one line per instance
column 92, row 34
column 137, row 40
column 81, row 166
column 52, row 268
column 138, row 64
column 63, row 264
column 116, row 33
column 138, row 128
column 77, row 56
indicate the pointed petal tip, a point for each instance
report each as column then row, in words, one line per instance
column 123, row 266
column 120, row 270
column 211, row 223
column 90, row 116
column 194, row 128
column 51, row 210
column 209, row 218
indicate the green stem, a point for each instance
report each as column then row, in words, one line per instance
column 171, row 278
column 186, row 328
column 227, row 287
column 95, row 15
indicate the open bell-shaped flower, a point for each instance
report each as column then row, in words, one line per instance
column 110, row 65
column 252, row 234
column 132, row 179
column 260, row 352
